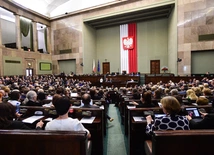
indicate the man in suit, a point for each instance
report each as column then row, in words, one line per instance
column 86, row 99
column 32, row 99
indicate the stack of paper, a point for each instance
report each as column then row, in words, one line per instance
column 130, row 107
column 138, row 118
column 87, row 120
column 32, row 119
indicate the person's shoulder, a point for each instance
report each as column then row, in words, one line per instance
column 18, row 125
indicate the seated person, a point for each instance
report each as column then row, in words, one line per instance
column 172, row 120
column 41, row 96
column 14, row 97
column 145, row 100
column 8, row 113
column 202, row 100
column 174, row 93
column 135, row 94
column 206, row 123
column 86, row 100
column 63, row 122
column 32, row 99
column 156, row 97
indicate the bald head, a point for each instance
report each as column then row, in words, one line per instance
column 86, row 99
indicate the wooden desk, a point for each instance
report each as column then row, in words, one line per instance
column 34, row 142
column 102, row 102
column 116, row 80
column 137, row 130
column 126, row 108
column 96, row 128
column 181, row 142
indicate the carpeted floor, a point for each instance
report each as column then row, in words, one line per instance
column 115, row 142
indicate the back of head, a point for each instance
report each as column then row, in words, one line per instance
column 202, row 101
column 7, row 111
column 62, row 105
column 86, row 99
column 31, row 94
column 147, row 97
column 171, row 104
column 41, row 96
column 55, row 97
column 92, row 92
column 14, row 95
column 60, row 90
column 207, row 92
column 174, row 92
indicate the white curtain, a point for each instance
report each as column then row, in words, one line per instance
column 124, row 63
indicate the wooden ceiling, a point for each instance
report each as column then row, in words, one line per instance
column 134, row 16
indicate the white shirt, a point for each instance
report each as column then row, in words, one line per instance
column 14, row 102
column 68, row 124
column 82, row 104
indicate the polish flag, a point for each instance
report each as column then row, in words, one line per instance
column 128, row 47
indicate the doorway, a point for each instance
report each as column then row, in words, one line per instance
column 106, row 67
column 29, row 72
column 154, row 66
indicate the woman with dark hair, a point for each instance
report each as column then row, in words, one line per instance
column 8, row 113
column 14, row 97
column 135, row 94
column 156, row 97
column 145, row 100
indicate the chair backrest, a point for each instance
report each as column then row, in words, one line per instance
column 180, row 142
column 37, row 142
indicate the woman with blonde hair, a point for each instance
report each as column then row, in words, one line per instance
column 191, row 95
column 171, row 121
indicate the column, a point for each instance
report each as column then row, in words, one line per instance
column 18, row 32
column 48, row 40
column 35, row 37
column 0, row 34
column 1, row 57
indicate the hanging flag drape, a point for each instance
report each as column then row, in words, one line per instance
column 98, row 66
column 93, row 66
column 128, row 47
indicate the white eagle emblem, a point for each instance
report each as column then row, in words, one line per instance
column 128, row 43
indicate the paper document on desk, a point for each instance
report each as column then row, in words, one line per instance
column 49, row 119
column 87, row 120
column 131, row 107
column 138, row 118
column 32, row 119
column 101, row 107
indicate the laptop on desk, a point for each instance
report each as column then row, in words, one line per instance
column 194, row 113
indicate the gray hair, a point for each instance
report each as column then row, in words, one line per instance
column 31, row 94
column 174, row 92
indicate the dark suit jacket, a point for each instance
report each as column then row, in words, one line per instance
column 206, row 123
column 144, row 105
column 19, row 125
column 32, row 103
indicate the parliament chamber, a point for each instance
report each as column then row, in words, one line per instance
column 117, row 51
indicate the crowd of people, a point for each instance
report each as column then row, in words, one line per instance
column 34, row 90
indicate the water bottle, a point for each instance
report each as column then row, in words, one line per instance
column 17, row 108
